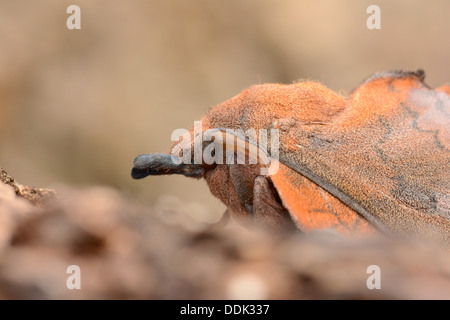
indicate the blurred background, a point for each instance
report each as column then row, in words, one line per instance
column 76, row 106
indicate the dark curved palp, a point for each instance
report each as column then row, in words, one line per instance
column 155, row 164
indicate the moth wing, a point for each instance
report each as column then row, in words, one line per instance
column 313, row 208
column 386, row 156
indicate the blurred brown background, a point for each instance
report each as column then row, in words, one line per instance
column 76, row 106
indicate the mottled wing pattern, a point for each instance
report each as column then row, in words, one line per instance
column 386, row 155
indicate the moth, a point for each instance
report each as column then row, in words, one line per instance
column 375, row 160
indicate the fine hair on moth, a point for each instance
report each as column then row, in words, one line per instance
column 302, row 155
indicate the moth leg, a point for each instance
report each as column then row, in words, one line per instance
column 250, row 198
column 222, row 187
column 243, row 178
column 259, row 197
column 268, row 211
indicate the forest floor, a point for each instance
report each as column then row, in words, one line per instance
column 126, row 250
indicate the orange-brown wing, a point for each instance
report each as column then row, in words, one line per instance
column 313, row 208
column 387, row 155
